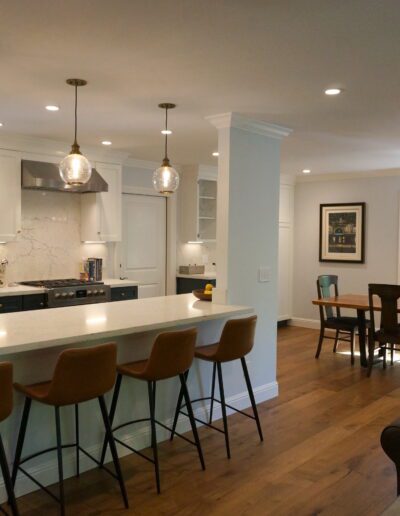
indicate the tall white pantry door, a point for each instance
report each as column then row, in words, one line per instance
column 143, row 249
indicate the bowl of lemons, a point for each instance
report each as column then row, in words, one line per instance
column 204, row 295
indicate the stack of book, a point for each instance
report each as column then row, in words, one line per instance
column 93, row 268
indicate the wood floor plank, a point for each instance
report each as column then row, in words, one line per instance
column 321, row 453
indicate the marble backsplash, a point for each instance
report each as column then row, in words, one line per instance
column 49, row 245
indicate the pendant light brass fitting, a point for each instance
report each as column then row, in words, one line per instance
column 76, row 82
column 167, row 105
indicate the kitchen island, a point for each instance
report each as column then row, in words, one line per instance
column 32, row 340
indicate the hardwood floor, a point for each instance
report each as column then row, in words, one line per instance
column 321, row 453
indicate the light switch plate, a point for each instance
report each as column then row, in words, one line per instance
column 264, row 274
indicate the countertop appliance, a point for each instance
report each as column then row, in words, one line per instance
column 70, row 292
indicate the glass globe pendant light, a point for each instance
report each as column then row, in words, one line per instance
column 75, row 169
column 166, row 178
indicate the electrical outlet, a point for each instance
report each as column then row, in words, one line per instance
column 264, row 274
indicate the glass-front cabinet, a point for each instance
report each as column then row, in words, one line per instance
column 207, row 210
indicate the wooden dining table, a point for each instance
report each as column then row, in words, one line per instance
column 360, row 303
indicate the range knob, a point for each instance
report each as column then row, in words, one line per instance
column 89, row 292
column 64, row 294
column 101, row 292
column 71, row 294
column 95, row 292
column 57, row 295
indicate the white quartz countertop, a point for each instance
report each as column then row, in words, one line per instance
column 23, row 290
column 205, row 276
column 41, row 329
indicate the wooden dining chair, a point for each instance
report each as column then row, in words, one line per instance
column 388, row 334
column 344, row 327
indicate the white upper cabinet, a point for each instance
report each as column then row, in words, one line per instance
column 10, row 195
column 198, row 204
column 101, row 213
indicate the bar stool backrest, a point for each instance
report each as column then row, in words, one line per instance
column 172, row 354
column 389, row 296
column 83, row 374
column 6, row 389
column 237, row 339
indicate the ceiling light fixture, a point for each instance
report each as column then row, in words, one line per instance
column 306, row 171
column 52, row 108
column 333, row 91
column 106, row 142
column 215, row 154
column 166, row 131
column 166, row 178
column 195, row 242
column 1, row 124
column 75, row 169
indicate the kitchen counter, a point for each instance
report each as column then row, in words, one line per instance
column 23, row 290
column 205, row 276
column 34, row 330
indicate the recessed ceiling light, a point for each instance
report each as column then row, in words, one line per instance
column 306, row 171
column 333, row 91
column 106, row 142
column 166, row 131
column 1, row 124
column 215, row 154
column 52, row 108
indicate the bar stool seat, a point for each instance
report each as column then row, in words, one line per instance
column 172, row 355
column 236, row 342
column 206, row 352
column 80, row 375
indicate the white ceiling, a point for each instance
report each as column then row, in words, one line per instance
column 268, row 59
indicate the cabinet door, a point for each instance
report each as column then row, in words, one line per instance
column 10, row 195
column 110, row 203
column 101, row 212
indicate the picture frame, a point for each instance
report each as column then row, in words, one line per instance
column 342, row 232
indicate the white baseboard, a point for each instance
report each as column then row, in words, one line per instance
column 47, row 472
column 305, row 323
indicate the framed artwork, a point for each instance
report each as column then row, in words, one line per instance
column 342, row 232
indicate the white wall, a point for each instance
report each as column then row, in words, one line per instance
column 381, row 195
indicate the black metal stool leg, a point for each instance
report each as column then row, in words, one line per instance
column 151, row 388
column 113, row 449
column 214, row 374
column 77, row 438
column 225, row 420
column 60, row 460
column 251, row 396
column 21, row 438
column 112, row 414
column 191, row 418
column 178, row 408
column 7, row 480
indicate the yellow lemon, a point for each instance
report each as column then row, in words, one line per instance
column 208, row 287
column 207, row 292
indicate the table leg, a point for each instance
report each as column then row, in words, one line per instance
column 362, row 337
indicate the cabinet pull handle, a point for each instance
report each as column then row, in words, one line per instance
column 42, row 304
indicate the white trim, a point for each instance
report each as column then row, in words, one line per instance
column 207, row 172
column 305, row 323
column 398, row 247
column 347, row 175
column 251, row 125
column 140, row 163
column 141, row 190
column 47, row 472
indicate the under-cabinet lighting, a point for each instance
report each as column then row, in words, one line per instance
column 94, row 241
column 195, row 242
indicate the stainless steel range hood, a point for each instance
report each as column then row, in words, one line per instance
column 38, row 175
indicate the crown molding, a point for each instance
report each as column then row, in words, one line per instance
column 391, row 172
column 30, row 144
column 225, row 120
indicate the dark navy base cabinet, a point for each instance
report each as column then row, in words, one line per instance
column 187, row 285
column 124, row 293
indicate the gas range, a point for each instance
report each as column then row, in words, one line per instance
column 70, row 291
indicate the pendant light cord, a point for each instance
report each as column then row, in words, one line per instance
column 76, row 112
column 166, row 135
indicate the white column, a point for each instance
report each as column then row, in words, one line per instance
column 247, row 229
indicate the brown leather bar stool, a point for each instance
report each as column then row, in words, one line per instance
column 236, row 342
column 80, row 375
column 6, row 406
column 172, row 355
